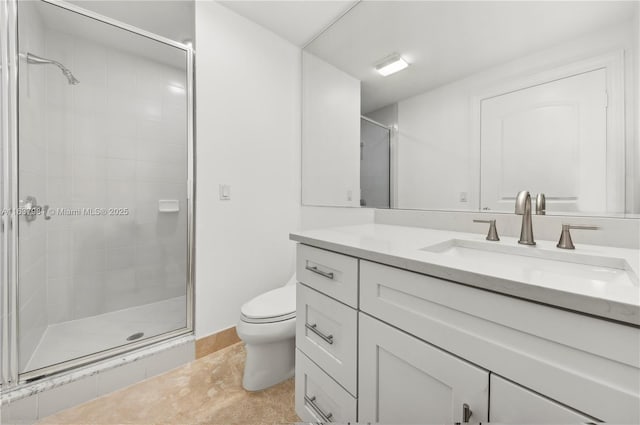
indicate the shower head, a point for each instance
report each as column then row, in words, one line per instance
column 72, row 80
column 37, row 60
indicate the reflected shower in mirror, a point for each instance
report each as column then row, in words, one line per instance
column 497, row 97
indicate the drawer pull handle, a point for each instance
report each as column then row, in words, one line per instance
column 314, row 328
column 311, row 401
column 328, row 275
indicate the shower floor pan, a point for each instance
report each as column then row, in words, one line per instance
column 77, row 338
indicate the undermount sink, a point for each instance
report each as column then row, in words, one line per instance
column 537, row 264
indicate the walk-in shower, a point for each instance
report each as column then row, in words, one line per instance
column 97, row 203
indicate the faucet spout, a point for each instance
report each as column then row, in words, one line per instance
column 523, row 208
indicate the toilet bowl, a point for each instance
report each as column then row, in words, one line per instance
column 268, row 327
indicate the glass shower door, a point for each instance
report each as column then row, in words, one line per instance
column 103, row 172
column 375, row 142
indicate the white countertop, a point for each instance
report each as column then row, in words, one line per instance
column 401, row 247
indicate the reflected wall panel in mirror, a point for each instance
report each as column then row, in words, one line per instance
column 498, row 97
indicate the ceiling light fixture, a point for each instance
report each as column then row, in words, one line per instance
column 391, row 65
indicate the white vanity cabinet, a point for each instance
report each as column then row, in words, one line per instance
column 431, row 350
column 404, row 380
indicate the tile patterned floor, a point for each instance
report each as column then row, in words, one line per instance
column 206, row 391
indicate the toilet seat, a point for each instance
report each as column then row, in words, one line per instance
column 274, row 306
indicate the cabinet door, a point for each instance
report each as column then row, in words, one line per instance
column 511, row 403
column 405, row 380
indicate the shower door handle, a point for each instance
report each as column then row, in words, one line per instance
column 31, row 210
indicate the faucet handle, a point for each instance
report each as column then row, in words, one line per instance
column 541, row 204
column 565, row 241
column 493, row 232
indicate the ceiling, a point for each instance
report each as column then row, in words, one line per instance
column 445, row 41
column 296, row 21
column 173, row 19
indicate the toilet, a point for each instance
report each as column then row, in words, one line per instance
column 268, row 327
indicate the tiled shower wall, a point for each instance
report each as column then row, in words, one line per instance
column 116, row 140
column 32, row 298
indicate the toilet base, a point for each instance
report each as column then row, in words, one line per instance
column 268, row 364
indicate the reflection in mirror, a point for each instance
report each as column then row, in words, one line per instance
column 498, row 97
column 375, row 139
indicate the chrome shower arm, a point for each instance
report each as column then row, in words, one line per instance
column 37, row 60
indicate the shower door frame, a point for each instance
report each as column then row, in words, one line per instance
column 10, row 376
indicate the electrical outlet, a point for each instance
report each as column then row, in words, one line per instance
column 463, row 196
column 349, row 195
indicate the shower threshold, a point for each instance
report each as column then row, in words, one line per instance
column 78, row 338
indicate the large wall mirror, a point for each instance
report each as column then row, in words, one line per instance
column 497, row 97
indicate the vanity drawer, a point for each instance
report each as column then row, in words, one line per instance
column 327, row 332
column 333, row 274
column 318, row 397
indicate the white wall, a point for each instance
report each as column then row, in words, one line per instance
column 330, row 135
column 248, row 135
column 435, row 140
column 318, row 217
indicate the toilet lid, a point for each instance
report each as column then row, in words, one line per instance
column 278, row 304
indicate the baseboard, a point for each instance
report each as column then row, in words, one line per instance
column 217, row 341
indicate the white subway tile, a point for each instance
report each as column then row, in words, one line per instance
column 59, row 263
column 59, row 299
column 121, row 169
column 89, row 166
column 121, row 147
column 120, row 258
column 88, row 261
column 59, row 192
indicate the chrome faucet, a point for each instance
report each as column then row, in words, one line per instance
column 523, row 208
